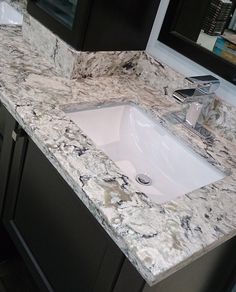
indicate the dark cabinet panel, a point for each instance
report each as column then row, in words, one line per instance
column 57, row 227
column 62, row 242
column 7, row 125
column 129, row 279
column 120, row 25
column 98, row 25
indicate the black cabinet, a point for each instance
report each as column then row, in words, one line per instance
column 98, row 25
column 7, row 125
column 65, row 247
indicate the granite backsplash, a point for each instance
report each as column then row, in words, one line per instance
column 74, row 64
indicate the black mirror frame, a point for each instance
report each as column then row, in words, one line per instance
column 191, row 50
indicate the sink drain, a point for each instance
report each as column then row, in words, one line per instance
column 143, row 179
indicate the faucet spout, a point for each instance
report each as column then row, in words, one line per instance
column 207, row 84
column 204, row 86
column 190, row 95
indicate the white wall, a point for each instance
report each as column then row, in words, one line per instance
column 179, row 62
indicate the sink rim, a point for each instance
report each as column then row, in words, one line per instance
column 162, row 121
column 215, row 173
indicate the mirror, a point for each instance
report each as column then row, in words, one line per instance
column 204, row 31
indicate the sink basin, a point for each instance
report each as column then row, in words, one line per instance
column 8, row 15
column 158, row 163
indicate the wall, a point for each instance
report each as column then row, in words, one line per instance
column 185, row 66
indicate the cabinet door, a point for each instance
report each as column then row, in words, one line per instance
column 64, row 245
column 7, row 125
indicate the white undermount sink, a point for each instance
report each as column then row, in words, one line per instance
column 9, row 15
column 159, row 164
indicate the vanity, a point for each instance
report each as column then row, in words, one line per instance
column 63, row 244
column 80, row 221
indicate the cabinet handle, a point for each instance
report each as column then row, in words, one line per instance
column 17, row 133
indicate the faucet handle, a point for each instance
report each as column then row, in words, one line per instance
column 206, row 83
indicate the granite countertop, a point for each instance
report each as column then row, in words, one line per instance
column 158, row 239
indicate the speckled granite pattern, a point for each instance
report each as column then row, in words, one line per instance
column 157, row 239
column 224, row 117
column 74, row 64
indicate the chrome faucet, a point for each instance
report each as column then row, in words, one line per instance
column 200, row 95
column 204, row 86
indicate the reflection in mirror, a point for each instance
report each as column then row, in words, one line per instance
column 210, row 24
